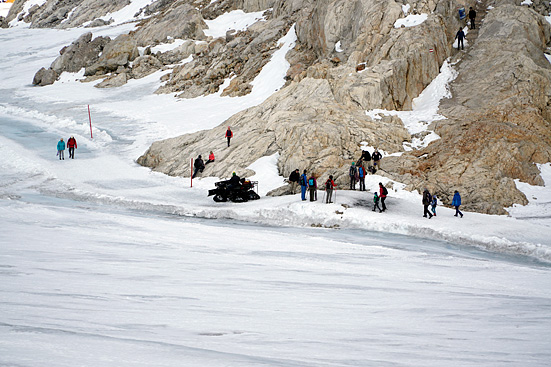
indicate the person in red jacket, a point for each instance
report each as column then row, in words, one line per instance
column 72, row 145
column 211, row 158
column 383, row 192
column 229, row 135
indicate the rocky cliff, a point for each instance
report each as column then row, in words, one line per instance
column 349, row 57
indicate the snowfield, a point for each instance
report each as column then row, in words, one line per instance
column 106, row 263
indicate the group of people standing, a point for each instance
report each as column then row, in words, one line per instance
column 71, row 145
column 357, row 170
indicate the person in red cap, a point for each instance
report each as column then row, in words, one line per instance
column 229, row 135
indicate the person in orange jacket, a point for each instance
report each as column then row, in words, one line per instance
column 211, row 158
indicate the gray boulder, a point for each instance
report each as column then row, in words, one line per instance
column 45, row 77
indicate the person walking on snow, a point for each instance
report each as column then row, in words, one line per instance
column 229, row 135
column 303, row 185
column 472, row 16
column 211, row 158
column 427, row 198
column 361, row 177
column 72, row 145
column 376, row 202
column 353, row 172
column 433, row 204
column 199, row 166
column 61, row 149
column 294, row 179
column 456, row 202
column 329, row 186
column 377, row 156
column 460, row 36
column 383, row 192
column 312, row 187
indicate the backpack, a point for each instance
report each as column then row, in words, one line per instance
column 385, row 191
column 328, row 185
column 311, row 182
column 361, row 171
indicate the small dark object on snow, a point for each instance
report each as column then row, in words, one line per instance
column 236, row 192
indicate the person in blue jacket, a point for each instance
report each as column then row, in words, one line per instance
column 61, row 149
column 303, row 185
column 456, row 202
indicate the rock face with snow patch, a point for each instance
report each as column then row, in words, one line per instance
column 498, row 122
column 350, row 57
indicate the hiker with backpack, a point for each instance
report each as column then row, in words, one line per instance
column 353, row 173
column 329, row 186
column 427, row 199
column 303, row 185
column 312, row 187
column 433, row 204
column 376, row 202
column 72, row 145
column 361, row 177
column 383, row 192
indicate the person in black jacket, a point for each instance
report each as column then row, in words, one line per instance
column 427, row 198
column 377, row 156
column 460, row 36
column 472, row 16
column 199, row 166
column 294, row 179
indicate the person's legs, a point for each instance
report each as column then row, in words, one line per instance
column 303, row 192
column 329, row 196
column 229, row 141
column 383, row 203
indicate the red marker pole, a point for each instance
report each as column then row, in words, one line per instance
column 191, row 173
column 90, row 117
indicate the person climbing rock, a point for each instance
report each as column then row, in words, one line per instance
column 377, row 156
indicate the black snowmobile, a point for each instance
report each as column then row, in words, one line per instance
column 236, row 191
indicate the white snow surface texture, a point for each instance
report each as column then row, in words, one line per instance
column 105, row 263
